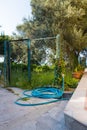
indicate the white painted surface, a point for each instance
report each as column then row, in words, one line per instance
column 75, row 109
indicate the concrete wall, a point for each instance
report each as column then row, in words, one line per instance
column 75, row 112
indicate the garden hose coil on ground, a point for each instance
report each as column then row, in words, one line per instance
column 44, row 92
column 52, row 94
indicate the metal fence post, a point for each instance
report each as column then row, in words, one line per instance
column 8, row 62
column 29, row 60
column 5, row 62
column 57, row 47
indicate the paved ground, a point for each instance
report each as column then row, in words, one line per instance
column 15, row 117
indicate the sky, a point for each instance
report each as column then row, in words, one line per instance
column 12, row 13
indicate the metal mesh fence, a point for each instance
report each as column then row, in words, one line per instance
column 33, row 63
column 43, row 53
column 43, row 50
column 18, row 62
column 18, row 51
column 30, row 63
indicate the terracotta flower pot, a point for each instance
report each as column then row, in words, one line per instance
column 77, row 75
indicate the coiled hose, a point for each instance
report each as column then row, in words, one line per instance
column 51, row 93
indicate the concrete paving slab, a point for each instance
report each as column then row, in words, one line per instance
column 53, row 119
column 15, row 117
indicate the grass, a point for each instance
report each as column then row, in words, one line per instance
column 20, row 79
column 25, row 99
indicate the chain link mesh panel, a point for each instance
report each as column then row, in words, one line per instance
column 43, row 53
column 40, row 55
column 43, row 50
column 19, row 62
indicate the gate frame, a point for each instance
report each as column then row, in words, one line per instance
column 7, row 62
column 7, row 55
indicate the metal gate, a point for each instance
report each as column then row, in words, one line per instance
column 30, row 63
column 16, row 60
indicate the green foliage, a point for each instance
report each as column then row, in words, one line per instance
column 42, row 79
column 16, row 66
column 33, row 67
column 38, row 69
column 69, row 81
column 19, row 52
column 45, row 77
column 43, row 68
column 67, row 18
column 25, row 99
column 19, row 79
column 79, row 68
column 38, row 79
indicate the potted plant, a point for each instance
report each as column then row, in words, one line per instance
column 78, row 72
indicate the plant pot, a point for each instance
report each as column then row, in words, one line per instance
column 77, row 75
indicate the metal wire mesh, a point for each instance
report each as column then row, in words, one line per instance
column 18, row 51
column 31, row 59
column 43, row 53
column 18, row 62
column 43, row 50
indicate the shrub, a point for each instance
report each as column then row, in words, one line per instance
column 33, row 67
column 42, row 76
column 38, row 69
column 16, row 66
column 45, row 68
column 79, row 68
column 69, row 81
